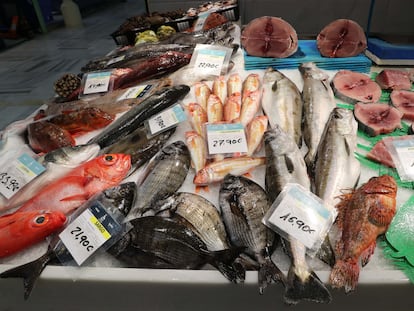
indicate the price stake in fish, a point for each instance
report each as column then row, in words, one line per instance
column 88, row 232
column 210, row 60
column 402, row 153
column 19, row 173
column 166, row 119
column 226, row 138
column 300, row 214
column 96, row 82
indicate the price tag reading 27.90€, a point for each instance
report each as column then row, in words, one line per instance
column 89, row 231
column 226, row 138
column 20, row 172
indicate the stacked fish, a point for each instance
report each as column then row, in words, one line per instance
column 228, row 101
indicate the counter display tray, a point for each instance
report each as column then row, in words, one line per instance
column 308, row 52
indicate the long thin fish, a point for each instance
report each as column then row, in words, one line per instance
column 285, row 164
column 135, row 117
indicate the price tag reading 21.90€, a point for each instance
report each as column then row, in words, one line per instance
column 210, row 60
column 89, row 231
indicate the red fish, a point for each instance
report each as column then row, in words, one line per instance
column 44, row 136
column 81, row 121
column 23, row 229
column 363, row 216
column 75, row 188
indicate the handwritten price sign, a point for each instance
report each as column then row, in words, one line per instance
column 226, row 138
column 97, row 82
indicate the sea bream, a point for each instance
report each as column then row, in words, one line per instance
column 282, row 103
column 318, row 102
column 285, row 164
column 163, row 176
column 336, row 169
column 243, row 204
column 118, row 198
column 57, row 163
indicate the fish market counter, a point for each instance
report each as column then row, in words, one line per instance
column 143, row 289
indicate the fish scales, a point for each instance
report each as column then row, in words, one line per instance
column 282, row 103
column 165, row 175
column 318, row 102
column 135, row 117
column 285, row 164
column 202, row 214
column 243, row 204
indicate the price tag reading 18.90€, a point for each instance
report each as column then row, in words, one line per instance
column 89, row 231
column 300, row 214
column 226, row 138
column 19, row 173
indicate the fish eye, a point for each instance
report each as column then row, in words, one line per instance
column 40, row 220
column 109, row 158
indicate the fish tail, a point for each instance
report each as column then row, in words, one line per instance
column 345, row 274
column 268, row 273
column 29, row 272
column 311, row 289
column 224, row 261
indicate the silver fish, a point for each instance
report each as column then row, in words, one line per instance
column 164, row 175
column 285, row 164
column 318, row 102
column 282, row 103
column 336, row 168
column 243, row 204
column 202, row 214
column 57, row 163
column 119, row 198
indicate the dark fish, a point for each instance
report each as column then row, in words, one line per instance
column 243, row 205
column 164, row 243
column 135, row 117
column 44, row 136
column 165, row 174
column 139, row 146
column 285, row 164
column 120, row 198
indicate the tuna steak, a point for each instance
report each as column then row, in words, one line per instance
column 268, row 36
column 404, row 102
column 352, row 87
column 393, row 79
column 379, row 153
column 341, row 38
column 376, row 118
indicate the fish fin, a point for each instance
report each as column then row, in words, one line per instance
column 248, row 175
column 326, row 253
column 311, row 289
column 198, row 189
column 344, row 274
column 380, row 216
column 367, row 253
column 224, row 261
column 29, row 272
column 269, row 272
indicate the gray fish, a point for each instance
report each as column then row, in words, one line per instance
column 164, row 175
column 243, row 204
column 165, row 243
column 201, row 213
column 282, row 103
column 285, row 164
column 139, row 146
column 336, row 169
column 135, row 117
column 318, row 102
column 57, row 163
column 119, row 198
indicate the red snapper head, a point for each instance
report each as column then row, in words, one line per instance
column 110, row 168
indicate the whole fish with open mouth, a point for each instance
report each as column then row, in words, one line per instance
column 336, row 169
column 163, row 176
column 135, row 117
column 57, row 163
column 285, row 164
column 243, row 204
column 120, row 198
column 318, row 102
column 282, row 103
column 165, row 243
column 139, row 146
